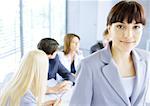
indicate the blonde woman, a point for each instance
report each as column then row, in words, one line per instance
column 28, row 85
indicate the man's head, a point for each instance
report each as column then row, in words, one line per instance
column 48, row 45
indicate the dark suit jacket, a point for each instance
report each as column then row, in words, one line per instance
column 55, row 67
column 99, row 45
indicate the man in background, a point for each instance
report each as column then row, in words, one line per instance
column 50, row 47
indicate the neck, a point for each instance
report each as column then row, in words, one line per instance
column 124, row 63
column 51, row 56
column 120, row 56
column 72, row 53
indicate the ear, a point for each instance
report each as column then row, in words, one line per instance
column 109, row 32
column 108, row 27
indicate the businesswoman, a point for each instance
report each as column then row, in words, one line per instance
column 118, row 74
column 71, row 56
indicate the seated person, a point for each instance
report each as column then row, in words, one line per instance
column 100, row 44
column 50, row 46
column 27, row 87
column 71, row 56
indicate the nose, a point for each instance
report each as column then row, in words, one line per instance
column 128, row 33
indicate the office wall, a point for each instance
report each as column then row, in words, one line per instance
column 82, row 20
column 146, row 34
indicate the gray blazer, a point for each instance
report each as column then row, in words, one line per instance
column 98, row 82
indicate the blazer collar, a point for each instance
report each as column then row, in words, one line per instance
column 106, row 55
column 140, row 68
column 111, row 74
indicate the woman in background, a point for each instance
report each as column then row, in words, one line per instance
column 28, row 86
column 117, row 75
column 71, row 56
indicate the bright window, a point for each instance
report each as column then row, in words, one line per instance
column 9, row 36
column 24, row 24
column 58, row 20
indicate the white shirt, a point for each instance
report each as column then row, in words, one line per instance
column 128, row 85
column 66, row 60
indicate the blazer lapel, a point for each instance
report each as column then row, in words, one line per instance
column 140, row 68
column 111, row 74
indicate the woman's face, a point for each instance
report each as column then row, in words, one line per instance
column 74, row 45
column 125, row 36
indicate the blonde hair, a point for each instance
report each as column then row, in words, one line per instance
column 67, row 41
column 31, row 75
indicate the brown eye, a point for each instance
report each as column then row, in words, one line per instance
column 136, row 27
column 120, row 26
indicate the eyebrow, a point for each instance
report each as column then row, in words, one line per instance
column 128, row 23
column 120, row 23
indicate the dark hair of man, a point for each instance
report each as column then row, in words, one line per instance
column 48, row 45
column 126, row 10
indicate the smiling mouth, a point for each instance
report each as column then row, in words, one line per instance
column 127, row 41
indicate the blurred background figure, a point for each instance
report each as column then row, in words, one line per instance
column 71, row 56
column 101, row 44
column 50, row 46
column 28, row 85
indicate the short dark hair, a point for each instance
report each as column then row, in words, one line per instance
column 48, row 45
column 130, row 10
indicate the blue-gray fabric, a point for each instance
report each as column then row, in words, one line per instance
column 99, row 84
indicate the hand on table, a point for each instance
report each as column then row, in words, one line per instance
column 53, row 103
column 61, row 87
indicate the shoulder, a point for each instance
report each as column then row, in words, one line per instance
column 28, row 99
column 143, row 53
column 60, row 54
column 98, row 45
